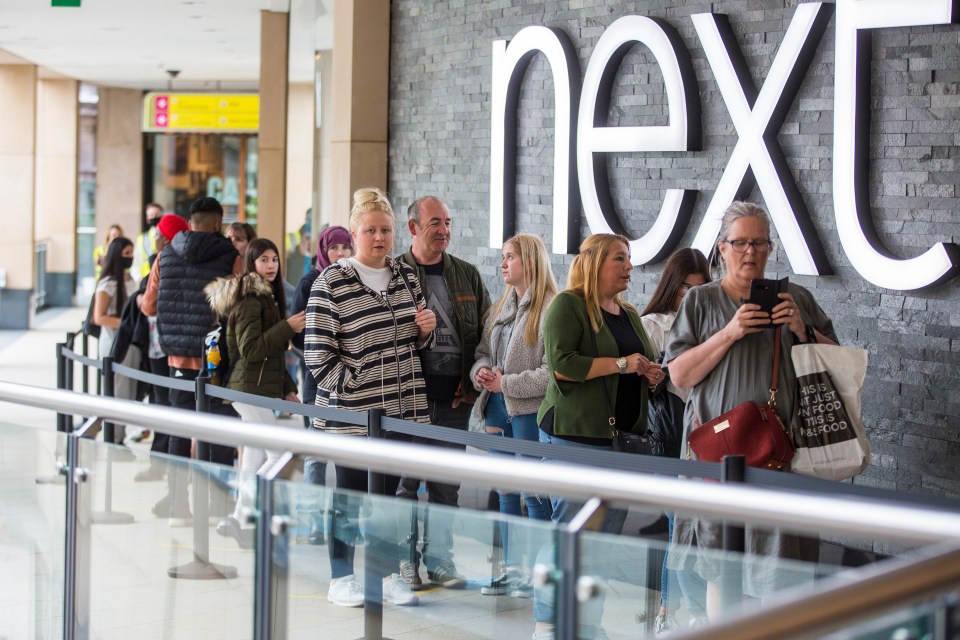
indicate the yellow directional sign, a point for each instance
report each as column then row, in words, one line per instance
column 202, row 112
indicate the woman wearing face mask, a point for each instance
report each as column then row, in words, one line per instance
column 257, row 337
column 113, row 288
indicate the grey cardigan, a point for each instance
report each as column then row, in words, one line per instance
column 525, row 374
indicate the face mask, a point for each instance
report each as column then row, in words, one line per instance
column 126, row 262
column 152, row 222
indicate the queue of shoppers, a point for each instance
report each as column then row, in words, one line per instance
column 415, row 335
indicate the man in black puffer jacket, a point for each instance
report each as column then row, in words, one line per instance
column 191, row 261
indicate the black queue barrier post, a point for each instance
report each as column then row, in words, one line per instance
column 108, row 515
column 85, row 378
column 68, row 369
column 68, row 375
column 373, row 571
column 732, row 469
column 62, row 418
column 200, row 568
column 63, row 422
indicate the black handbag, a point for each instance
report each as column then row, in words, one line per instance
column 621, row 441
column 89, row 328
column 665, row 421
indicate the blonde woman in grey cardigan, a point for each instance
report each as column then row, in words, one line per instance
column 511, row 375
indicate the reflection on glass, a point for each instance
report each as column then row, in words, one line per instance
column 32, row 511
column 628, row 573
column 164, row 568
column 375, row 527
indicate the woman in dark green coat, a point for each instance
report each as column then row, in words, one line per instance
column 257, row 337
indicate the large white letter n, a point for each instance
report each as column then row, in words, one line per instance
column 509, row 65
column 851, row 140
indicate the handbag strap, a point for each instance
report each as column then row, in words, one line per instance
column 776, row 367
column 611, row 418
column 774, row 383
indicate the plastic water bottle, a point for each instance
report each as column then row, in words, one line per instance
column 213, row 361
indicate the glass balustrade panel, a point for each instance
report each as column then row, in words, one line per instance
column 450, row 573
column 156, row 565
column 32, row 516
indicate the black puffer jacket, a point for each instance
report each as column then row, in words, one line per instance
column 257, row 335
column 188, row 264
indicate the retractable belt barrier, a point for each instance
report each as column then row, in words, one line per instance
column 600, row 458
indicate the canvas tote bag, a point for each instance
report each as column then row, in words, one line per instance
column 828, row 433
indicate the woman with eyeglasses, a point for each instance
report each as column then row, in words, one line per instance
column 720, row 350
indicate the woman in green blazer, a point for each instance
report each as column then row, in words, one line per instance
column 601, row 364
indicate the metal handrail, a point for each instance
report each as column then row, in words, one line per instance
column 844, row 599
column 802, row 512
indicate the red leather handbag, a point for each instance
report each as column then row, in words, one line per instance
column 751, row 429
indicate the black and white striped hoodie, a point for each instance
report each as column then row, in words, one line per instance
column 364, row 347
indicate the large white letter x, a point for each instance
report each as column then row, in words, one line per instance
column 758, row 118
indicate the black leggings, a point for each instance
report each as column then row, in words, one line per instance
column 385, row 529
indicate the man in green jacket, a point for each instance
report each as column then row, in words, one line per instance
column 455, row 293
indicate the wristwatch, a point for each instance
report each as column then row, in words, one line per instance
column 622, row 365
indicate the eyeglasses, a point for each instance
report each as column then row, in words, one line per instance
column 760, row 246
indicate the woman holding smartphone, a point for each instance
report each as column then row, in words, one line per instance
column 722, row 351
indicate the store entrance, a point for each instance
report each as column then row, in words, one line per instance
column 182, row 167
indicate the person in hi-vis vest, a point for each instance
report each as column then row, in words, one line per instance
column 146, row 243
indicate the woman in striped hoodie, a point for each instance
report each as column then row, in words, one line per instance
column 366, row 321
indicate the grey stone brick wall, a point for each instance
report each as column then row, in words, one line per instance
column 440, row 84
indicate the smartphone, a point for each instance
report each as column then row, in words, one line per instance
column 764, row 293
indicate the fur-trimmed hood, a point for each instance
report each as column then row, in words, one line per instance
column 223, row 293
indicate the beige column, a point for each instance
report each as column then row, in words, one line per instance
column 300, row 133
column 18, row 100
column 272, row 142
column 119, row 197
column 56, row 185
column 360, row 89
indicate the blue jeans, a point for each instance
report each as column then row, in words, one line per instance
column 563, row 511
column 692, row 586
column 522, row 427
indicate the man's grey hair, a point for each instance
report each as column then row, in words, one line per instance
column 413, row 211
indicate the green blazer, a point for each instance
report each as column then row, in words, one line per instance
column 580, row 407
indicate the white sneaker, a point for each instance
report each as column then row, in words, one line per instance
column 345, row 592
column 397, row 591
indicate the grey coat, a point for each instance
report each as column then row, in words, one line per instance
column 525, row 373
